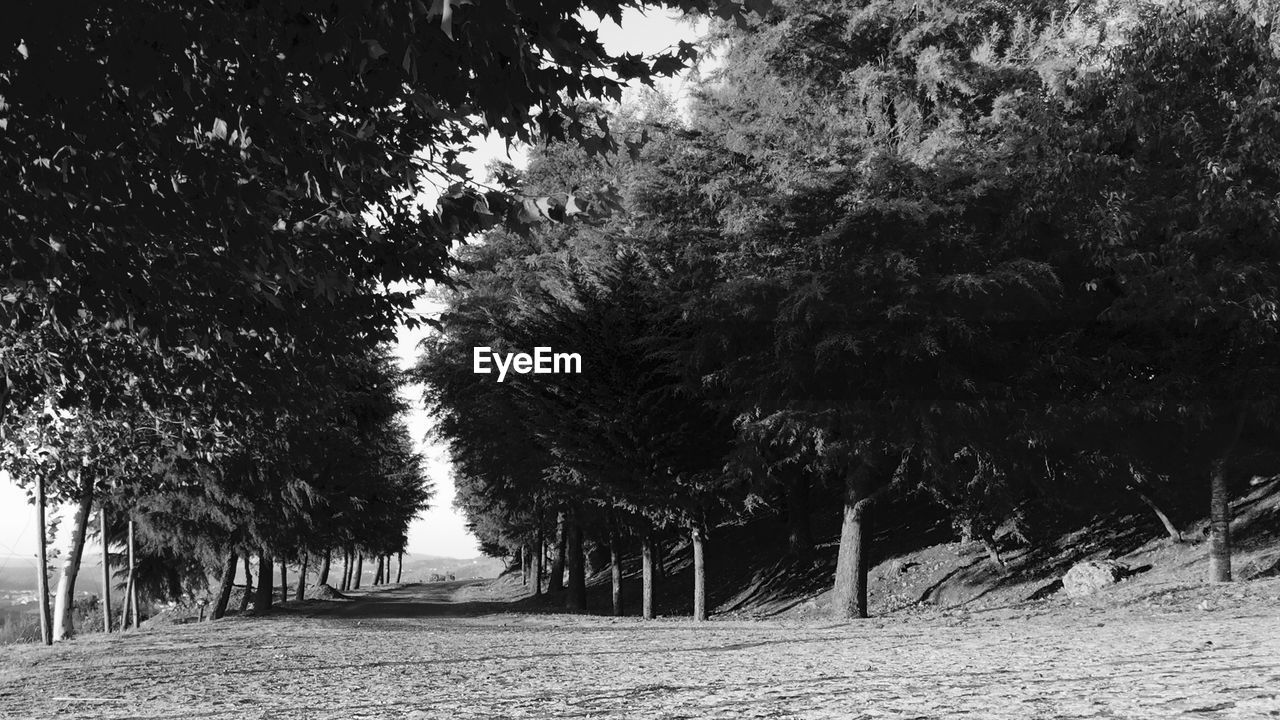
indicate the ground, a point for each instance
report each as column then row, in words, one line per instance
column 458, row 651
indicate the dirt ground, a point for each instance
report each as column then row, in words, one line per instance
column 456, row 651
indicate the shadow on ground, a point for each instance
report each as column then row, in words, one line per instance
column 446, row 599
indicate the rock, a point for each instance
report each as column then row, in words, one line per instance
column 901, row 567
column 325, row 592
column 1091, row 576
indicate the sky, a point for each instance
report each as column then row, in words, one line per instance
column 441, row 530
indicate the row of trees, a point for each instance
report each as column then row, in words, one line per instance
column 211, row 229
column 334, row 468
column 1018, row 258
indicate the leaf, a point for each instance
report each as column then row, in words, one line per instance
column 667, row 65
column 444, row 8
column 219, row 128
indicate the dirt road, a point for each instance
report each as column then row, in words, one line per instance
column 450, row 652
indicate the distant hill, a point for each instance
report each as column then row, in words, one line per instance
column 419, row 568
column 18, row 573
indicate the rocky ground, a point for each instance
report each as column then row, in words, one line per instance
column 457, row 651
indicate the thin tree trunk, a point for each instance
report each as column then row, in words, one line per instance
column 537, row 564
column 65, row 596
column 128, row 603
column 377, row 573
column 699, row 574
column 850, row 595
column 1220, row 510
column 300, row 593
column 324, row 568
column 133, row 581
column 345, row 583
column 799, row 535
column 224, row 588
column 42, row 565
column 106, row 570
column 556, row 582
column 576, row 600
column 124, row 611
column 646, row 571
column 248, row 586
column 284, row 582
column 265, row 594
column 399, row 566
column 615, row 569
column 1169, row 527
column 359, row 570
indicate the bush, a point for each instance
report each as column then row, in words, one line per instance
column 19, row 627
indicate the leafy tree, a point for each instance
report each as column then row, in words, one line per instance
column 1161, row 168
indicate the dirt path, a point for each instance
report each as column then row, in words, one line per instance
column 448, row 651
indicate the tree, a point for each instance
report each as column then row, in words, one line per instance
column 1168, row 156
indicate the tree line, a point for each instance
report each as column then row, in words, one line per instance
column 1017, row 258
column 212, row 228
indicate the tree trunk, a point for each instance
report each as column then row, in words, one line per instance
column 699, row 574
column 248, row 587
column 646, row 571
column 615, row 569
column 850, row 596
column 284, row 582
column 300, row 593
column 993, row 550
column 1169, row 527
column 576, row 601
column 133, row 582
column 537, row 565
column 1219, row 524
column 65, row 596
column 42, row 566
column 128, row 603
column 556, row 582
column 377, row 573
column 1220, row 510
column 324, row 568
column 359, row 570
column 266, row 587
column 106, row 570
column 399, row 566
column 345, row 583
column 799, row 535
column 224, row 588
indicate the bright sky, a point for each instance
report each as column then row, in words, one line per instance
column 441, row 530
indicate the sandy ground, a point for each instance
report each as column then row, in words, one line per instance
column 454, row 651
